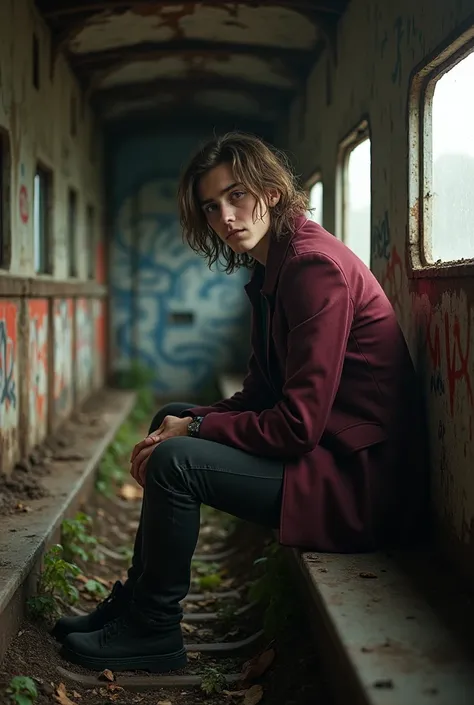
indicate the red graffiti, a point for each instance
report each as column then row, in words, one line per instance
column 457, row 372
column 392, row 280
column 24, row 206
column 457, row 359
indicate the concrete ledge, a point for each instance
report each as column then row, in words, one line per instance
column 392, row 630
column 25, row 536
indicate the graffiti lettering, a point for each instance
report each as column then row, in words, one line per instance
column 381, row 238
column 457, row 372
column 392, row 281
column 437, row 384
column 7, row 369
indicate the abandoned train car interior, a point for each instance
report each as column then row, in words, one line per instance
column 107, row 314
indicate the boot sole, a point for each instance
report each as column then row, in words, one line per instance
column 159, row 663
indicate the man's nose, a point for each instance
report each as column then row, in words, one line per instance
column 228, row 215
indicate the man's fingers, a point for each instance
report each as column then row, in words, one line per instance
column 148, row 441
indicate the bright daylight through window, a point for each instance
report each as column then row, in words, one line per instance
column 449, row 233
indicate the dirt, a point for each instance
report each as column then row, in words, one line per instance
column 25, row 482
column 290, row 674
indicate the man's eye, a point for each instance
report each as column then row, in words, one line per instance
column 209, row 208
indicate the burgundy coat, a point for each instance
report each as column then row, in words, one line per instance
column 333, row 397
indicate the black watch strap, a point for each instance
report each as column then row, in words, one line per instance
column 194, row 426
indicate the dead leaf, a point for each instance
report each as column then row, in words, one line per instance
column 107, row 675
column 113, row 687
column 189, row 628
column 82, row 578
column 76, row 695
column 258, row 665
column 130, row 492
column 20, row 507
column 194, row 655
column 367, row 575
column 61, row 695
column 164, row 702
column 253, row 695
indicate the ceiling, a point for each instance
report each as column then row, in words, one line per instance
column 176, row 60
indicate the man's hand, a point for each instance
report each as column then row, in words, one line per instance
column 171, row 426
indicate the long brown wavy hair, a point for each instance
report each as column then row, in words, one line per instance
column 259, row 167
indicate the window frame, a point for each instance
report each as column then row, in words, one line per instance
column 351, row 141
column 5, row 201
column 316, row 178
column 72, row 259
column 48, row 175
column 422, row 86
column 91, row 273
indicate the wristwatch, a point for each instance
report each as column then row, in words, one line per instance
column 194, row 426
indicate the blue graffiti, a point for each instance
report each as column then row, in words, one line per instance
column 381, row 238
column 155, row 276
column 7, row 364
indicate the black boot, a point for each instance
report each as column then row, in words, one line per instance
column 115, row 605
column 127, row 644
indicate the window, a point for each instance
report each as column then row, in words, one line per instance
column 72, row 233
column 36, row 62
column 354, row 193
column 5, row 171
column 446, row 161
column 42, row 194
column 316, row 201
column 90, row 242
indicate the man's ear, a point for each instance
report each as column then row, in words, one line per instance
column 273, row 196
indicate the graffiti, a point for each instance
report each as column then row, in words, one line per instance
column 172, row 280
column 381, row 238
column 457, row 361
column 24, row 204
column 84, row 349
column 38, row 367
column 392, row 281
column 457, row 355
column 99, row 343
column 63, row 356
column 7, row 359
column 437, row 384
column 8, row 364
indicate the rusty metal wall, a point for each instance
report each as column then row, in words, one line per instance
column 367, row 74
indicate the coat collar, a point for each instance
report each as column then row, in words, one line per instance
column 264, row 279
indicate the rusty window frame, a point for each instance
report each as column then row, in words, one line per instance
column 420, row 104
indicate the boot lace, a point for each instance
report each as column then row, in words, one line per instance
column 114, row 628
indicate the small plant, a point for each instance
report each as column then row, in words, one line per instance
column 227, row 613
column 274, row 589
column 96, row 589
column 110, row 473
column 212, row 680
column 22, row 690
column 54, row 586
column 76, row 539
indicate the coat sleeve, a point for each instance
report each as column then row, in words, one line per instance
column 319, row 312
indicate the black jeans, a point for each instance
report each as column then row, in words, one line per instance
column 182, row 473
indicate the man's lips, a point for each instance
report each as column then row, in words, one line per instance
column 234, row 232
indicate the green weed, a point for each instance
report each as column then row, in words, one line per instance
column 76, row 539
column 22, row 690
column 212, row 680
column 54, row 586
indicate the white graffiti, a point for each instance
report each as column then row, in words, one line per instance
column 38, row 374
column 62, row 357
column 84, row 347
